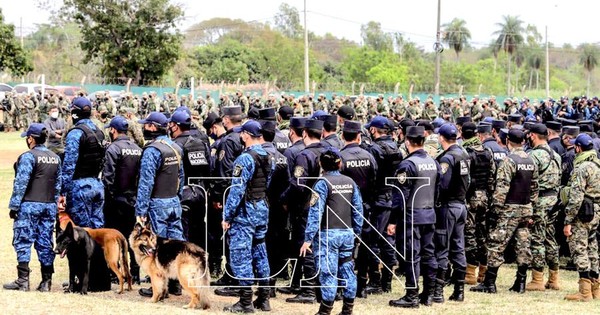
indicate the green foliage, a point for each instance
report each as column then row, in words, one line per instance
column 375, row 38
column 287, row 21
column 457, row 35
column 132, row 39
column 12, row 56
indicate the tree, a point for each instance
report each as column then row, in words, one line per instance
column 12, row 55
column 456, row 35
column 534, row 61
column 589, row 61
column 131, row 38
column 510, row 37
column 375, row 38
column 287, row 21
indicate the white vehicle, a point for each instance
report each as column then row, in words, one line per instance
column 3, row 89
column 27, row 88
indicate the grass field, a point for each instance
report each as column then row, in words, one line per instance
column 56, row 302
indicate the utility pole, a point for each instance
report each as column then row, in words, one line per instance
column 547, row 66
column 306, row 76
column 438, row 51
column 21, row 30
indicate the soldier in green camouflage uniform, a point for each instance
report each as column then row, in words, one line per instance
column 430, row 112
column 516, row 190
column 134, row 129
column 544, row 248
column 210, row 103
column 360, row 108
column 382, row 107
column 322, row 103
column 583, row 193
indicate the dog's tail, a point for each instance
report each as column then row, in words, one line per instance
column 124, row 260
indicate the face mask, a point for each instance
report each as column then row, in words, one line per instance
column 150, row 135
column 27, row 142
column 104, row 115
column 213, row 136
column 242, row 142
column 54, row 115
column 75, row 117
column 171, row 132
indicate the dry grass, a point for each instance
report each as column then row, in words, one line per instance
column 549, row 302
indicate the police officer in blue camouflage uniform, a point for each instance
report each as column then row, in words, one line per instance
column 120, row 179
column 385, row 151
column 451, row 214
column 83, row 161
column 245, row 218
column 413, row 204
column 335, row 211
column 360, row 165
column 160, row 185
column 33, row 207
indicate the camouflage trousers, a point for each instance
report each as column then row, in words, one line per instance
column 509, row 221
column 544, row 248
column 584, row 245
column 476, row 229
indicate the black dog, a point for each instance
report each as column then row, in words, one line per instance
column 77, row 244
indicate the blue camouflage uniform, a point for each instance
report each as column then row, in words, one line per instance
column 248, row 216
column 335, row 243
column 84, row 196
column 35, row 220
column 164, row 213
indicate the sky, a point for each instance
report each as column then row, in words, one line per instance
column 567, row 21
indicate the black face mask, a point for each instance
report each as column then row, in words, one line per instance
column 242, row 142
column 151, row 135
column 104, row 115
column 171, row 132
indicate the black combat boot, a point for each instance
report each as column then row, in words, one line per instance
column 46, row 283
column 262, row 301
column 294, row 289
column 174, row 287
column 410, row 300
column 228, row 291
column 22, row 282
column 489, row 282
column 325, row 308
column 438, row 291
column 374, row 286
column 459, row 286
column 386, row 281
column 348, row 306
column 361, row 287
column 306, row 296
column 135, row 274
column 520, row 280
column 426, row 297
column 338, row 295
column 244, row 305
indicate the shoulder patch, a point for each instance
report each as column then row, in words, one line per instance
column 445, row 167
column 213, row 152
column 221, row 155
column 402, row 178
column 237, row 170
column 314, row 198
column 298, row 171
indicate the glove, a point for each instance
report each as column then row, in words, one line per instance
column 13, row 214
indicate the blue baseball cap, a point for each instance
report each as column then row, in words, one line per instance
column 81, row 102
column 318, row 114
column 583, row 140
column 448, row 131
column 184, row 109
column 35, row 130
column 251, row 126
column 181, row 117
column 489, row 119
column 119, row 123
column 156, row 118
column 378, row 122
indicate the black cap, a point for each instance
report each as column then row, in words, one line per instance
column 267, row 113
column 516, row 136
column 576, row 116
column 498, row 124
column 483, row 128
column 426, row 124
column 211, row 119
column 415, row 132
column 572, row 131
column 503, row 134
column 346, row 112
column 515, row 118
column 231, row 110
column 469, row 127
column 313, row 124
column 528, row 125
column 569, row 122
column 268, row 126
column 554, row 125
column 539, row 129
column 329, row 121
column 286, row 112
column 461, row 120
column 405, row 123
column 586, row 125
column 253, row 113
column 298, row 122
column 351, row 126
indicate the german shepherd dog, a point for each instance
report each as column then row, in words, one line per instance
column 114, row 246
column 165, row 259
column 77, row 244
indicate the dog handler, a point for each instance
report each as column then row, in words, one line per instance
column 33, row 206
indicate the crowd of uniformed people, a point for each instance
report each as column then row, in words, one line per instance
column 356, row 192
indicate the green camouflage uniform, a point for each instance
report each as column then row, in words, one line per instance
column 413, row 112
column 544, row 247
column 508, row 220
column 584, row 181
column 477, row 112
column 383, row 108
column 134, row 132
column 212, row 106
column 477, row 207
column 430, row 112
column 432, row 145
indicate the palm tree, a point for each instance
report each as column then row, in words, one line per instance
column 589, row 61
column 510, row 37
column 456, row 35
column 534, row 61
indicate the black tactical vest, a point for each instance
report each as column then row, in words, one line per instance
column 498, row 152
column 166, row 183
column 338, row 207
column 481, row 161
column 281, row 141
column 459, row 183
column 257, row 186
column 422, row 192
column 91, row 152
column 519, row 192
column 127, row 168
column 357, row 165
column 387, row 166
column 195, row 157
column 42, row 183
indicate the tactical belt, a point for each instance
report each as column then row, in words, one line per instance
column 548, row 193
column 257, row 241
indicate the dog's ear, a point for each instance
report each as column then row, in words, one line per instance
column 69, row 228
column 138, row 227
